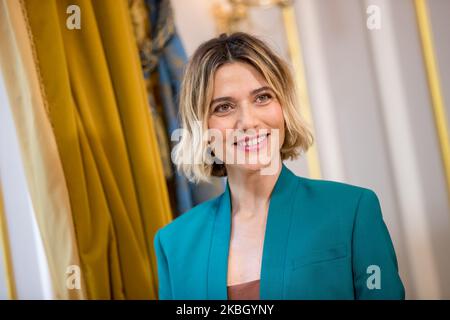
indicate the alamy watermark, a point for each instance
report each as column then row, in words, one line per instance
column 374, row 280
column 73, row 21
column 373, row 21
column 73, row 277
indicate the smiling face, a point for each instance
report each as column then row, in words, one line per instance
column 247, row 113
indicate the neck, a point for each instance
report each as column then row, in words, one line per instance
column 250, row 190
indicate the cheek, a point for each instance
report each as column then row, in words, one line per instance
column 274, row 117
column 217, row 127
column 219, row 123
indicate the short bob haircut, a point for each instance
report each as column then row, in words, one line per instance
column 196, row 95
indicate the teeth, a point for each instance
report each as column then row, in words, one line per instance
column 252, row 142
column 261, row 138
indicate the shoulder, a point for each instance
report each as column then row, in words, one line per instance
column 338, row 204
column 335, row 196
column 190, row 221
column 347, row 202
column 335, row 192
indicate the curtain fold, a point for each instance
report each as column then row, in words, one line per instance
column 42, row 164
column 97, row 105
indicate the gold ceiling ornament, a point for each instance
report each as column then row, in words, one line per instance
column 230, row 13
column 228, row 16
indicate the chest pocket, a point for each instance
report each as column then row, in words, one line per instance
column 320, row 256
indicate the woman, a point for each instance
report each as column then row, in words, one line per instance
column 271, row 234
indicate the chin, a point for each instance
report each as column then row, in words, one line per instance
column 250, row 167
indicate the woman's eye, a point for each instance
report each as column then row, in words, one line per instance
column 263, row 98
column 222, row 108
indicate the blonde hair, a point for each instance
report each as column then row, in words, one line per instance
column 196, row 94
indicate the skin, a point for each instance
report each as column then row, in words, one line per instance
column 247, row 114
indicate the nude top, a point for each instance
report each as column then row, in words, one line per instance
column 244, row 291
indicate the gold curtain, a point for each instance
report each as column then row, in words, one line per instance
column 42, row 165
column 95, row 98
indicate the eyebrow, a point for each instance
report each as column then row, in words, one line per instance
column 253, row 92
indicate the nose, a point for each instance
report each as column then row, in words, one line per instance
column 247, row 119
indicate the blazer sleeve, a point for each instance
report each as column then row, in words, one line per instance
column 164, row 288
column 375, row 269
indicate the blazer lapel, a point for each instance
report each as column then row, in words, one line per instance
column 276, row 235
column 275, row 240
column 220, row 242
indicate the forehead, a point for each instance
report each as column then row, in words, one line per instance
column 237, row 77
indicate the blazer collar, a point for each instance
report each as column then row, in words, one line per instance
column 275, row 241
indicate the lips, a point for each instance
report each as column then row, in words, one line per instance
column 248, row 142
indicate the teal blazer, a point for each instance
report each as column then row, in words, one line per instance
column 323, row 240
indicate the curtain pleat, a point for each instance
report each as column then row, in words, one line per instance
column 44, row 173
column 97, row 104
